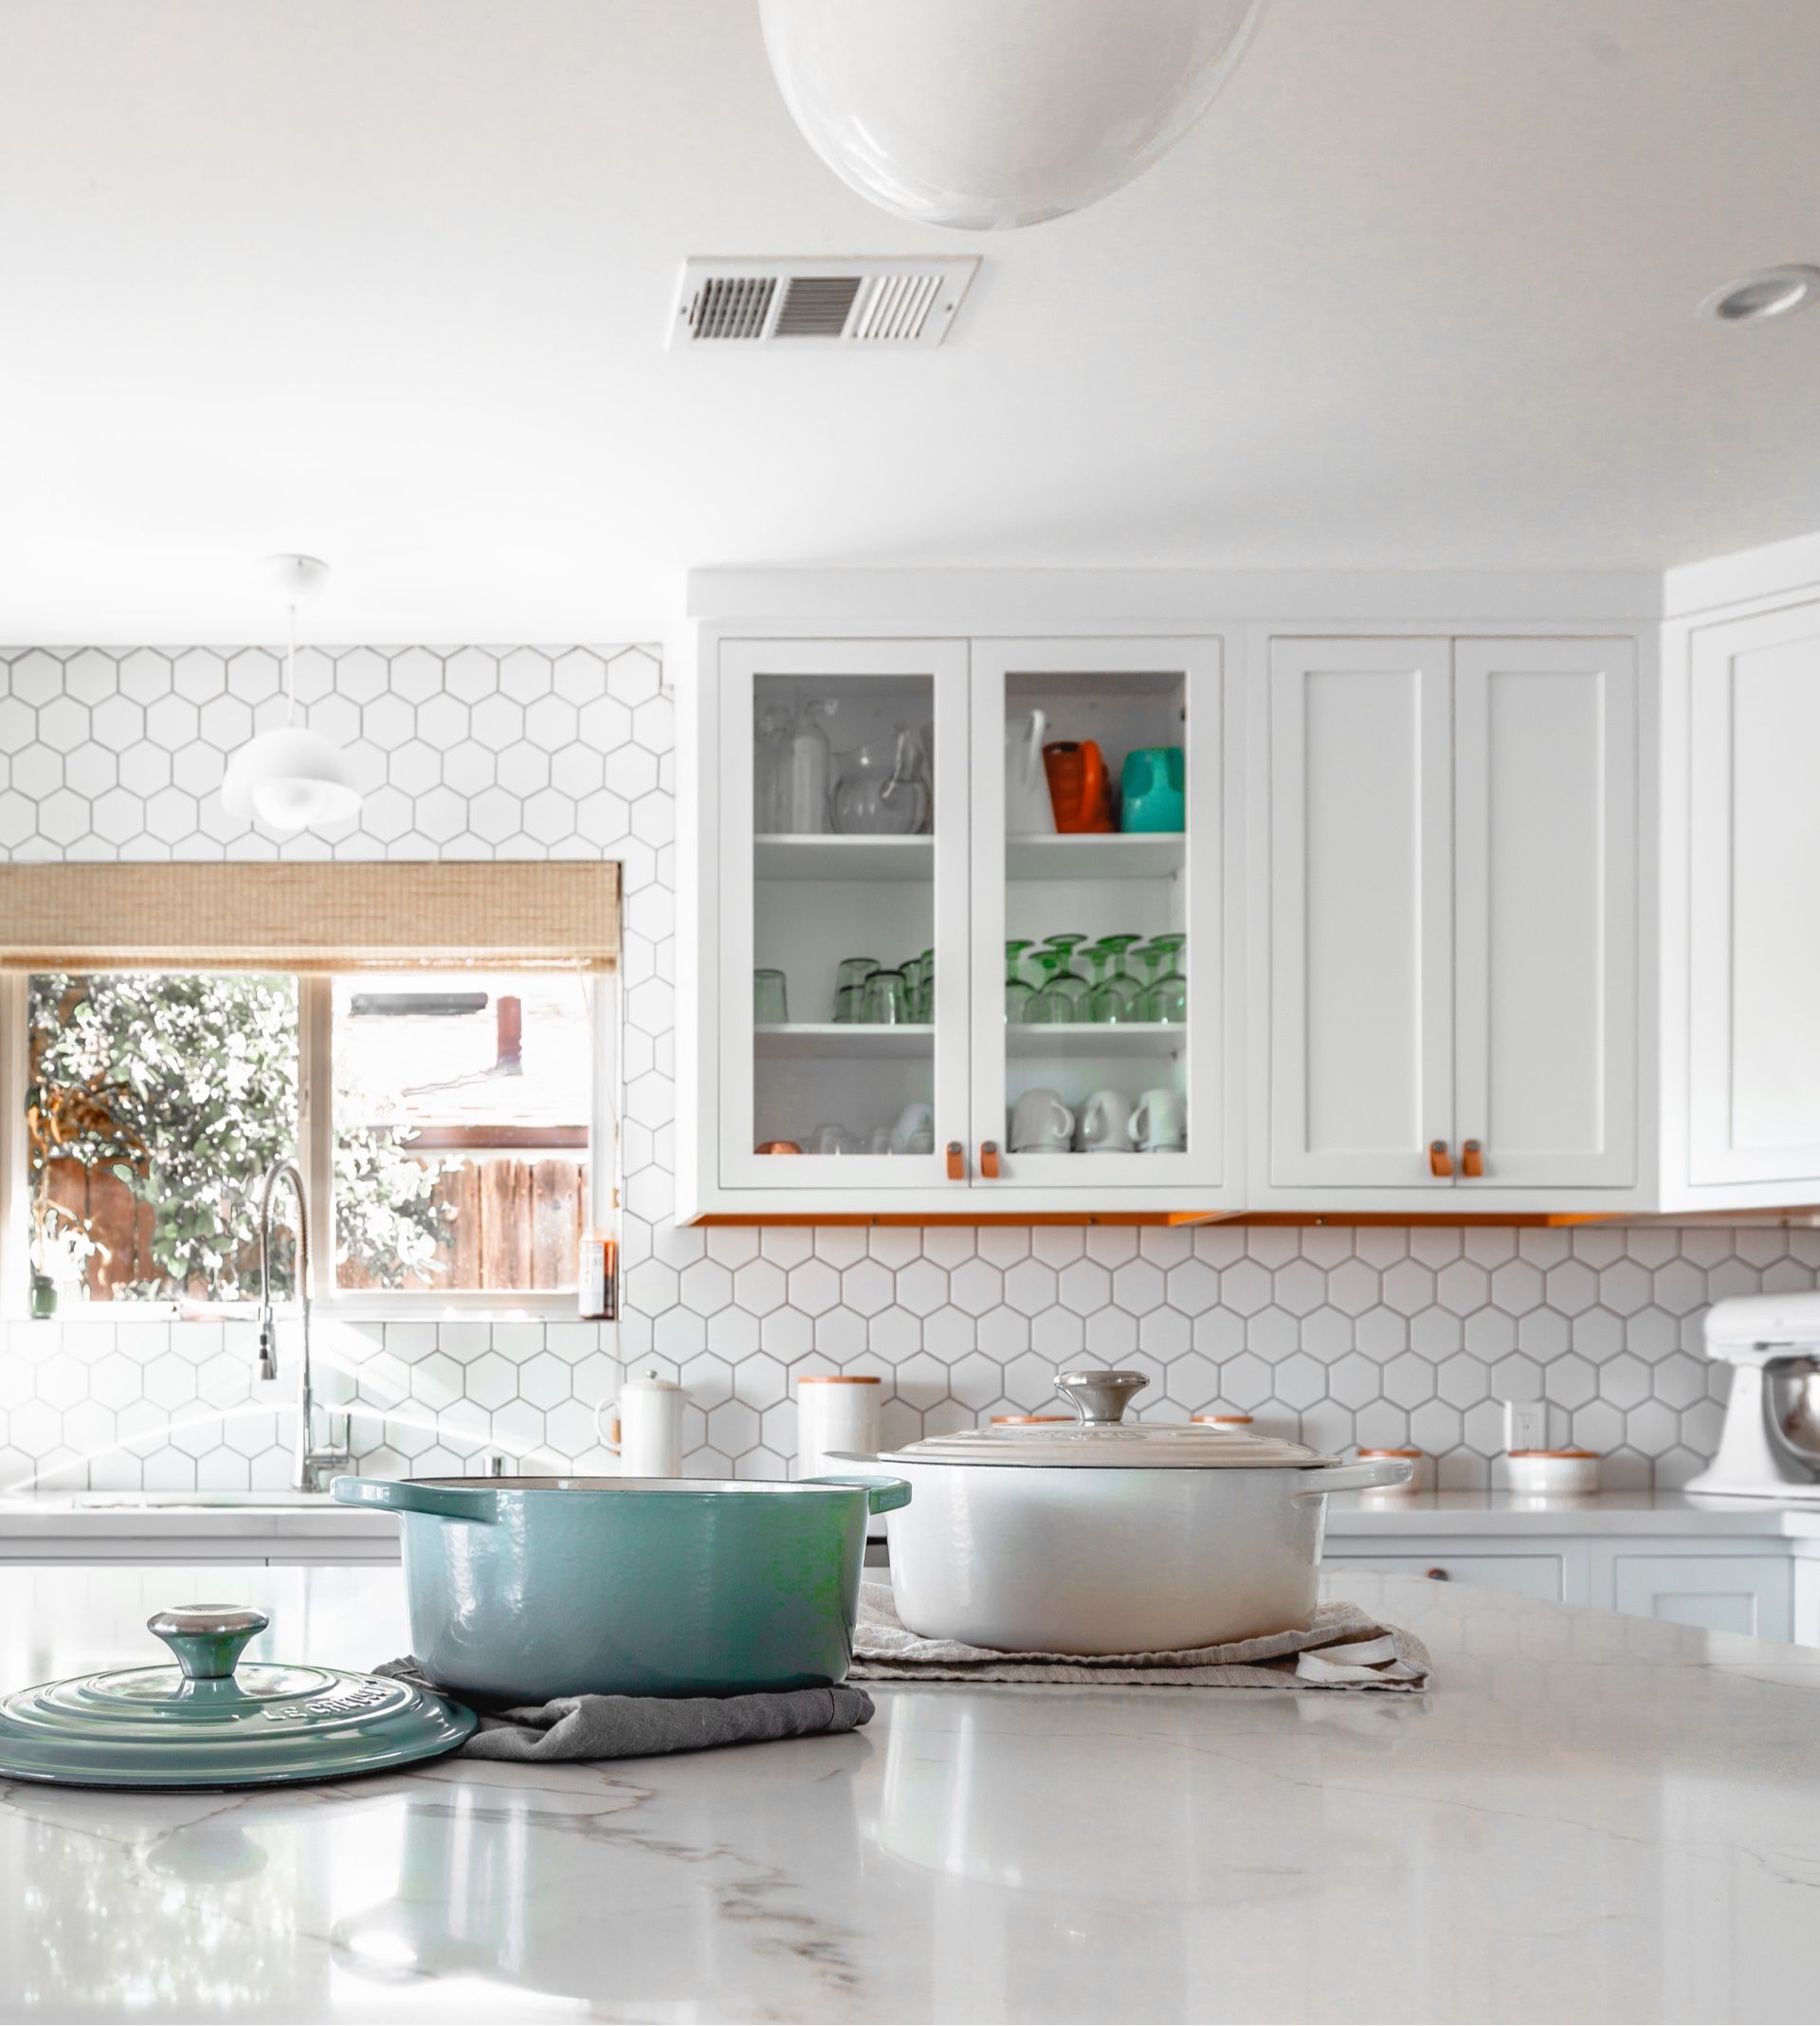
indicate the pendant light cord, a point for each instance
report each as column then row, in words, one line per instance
column 290, row 669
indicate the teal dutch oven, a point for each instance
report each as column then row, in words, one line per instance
column 524, row 1588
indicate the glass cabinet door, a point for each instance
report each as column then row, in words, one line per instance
column 842, row 902
column 1098, row 1058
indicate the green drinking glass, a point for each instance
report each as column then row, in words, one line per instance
column 851, row 972
column 1166, row 997
column 1063, row 999
column 1116, row 997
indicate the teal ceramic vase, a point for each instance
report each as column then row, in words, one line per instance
column 1151, row 789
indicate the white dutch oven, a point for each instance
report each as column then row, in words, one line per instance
column 1111, row 1537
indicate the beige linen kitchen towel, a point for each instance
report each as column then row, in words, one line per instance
column 1344, row 1648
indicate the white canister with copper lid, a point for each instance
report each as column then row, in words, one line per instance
column 834, row 1411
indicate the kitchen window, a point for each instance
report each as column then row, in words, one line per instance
column 455, row 1122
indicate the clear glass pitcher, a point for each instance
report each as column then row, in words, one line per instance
column 881, row 789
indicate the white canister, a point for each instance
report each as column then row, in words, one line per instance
column 644, row 1427
column 1555, row 1474
column 836, row 1411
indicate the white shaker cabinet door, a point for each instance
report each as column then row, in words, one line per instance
column 1754, row 1040
column 1360, row 913
column 1546, row 907
column 1748, row 1594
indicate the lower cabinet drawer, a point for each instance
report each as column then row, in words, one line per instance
column 1527, row 1575
column 1750, row 1594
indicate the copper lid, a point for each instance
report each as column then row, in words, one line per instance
column 1230, row 1420
column 1026, row 1420
column 1416, row 1455
column 837, row 1379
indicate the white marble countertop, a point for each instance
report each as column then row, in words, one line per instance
column 133, row 1524
column 1517, row 1514
column 1590, row 1816
column 304, row 1515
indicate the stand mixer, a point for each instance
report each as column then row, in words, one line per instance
column 1770, row 1447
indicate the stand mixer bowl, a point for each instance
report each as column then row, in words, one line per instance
column 1794, row 1404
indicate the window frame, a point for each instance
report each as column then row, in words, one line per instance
column 316, row 1139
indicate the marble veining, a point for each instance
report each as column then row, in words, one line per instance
column 1589, row 1817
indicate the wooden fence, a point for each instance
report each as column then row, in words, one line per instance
column 513, row 1225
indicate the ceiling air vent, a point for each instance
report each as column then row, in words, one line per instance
column 799, row 302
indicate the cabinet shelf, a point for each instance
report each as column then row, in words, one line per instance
column 776, row 856
column 1096, row 855
column 1133, row 1039
column 823, row 1041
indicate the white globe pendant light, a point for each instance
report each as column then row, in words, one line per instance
column 989, row 114
column 291, row 777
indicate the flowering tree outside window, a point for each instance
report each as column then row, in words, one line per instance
column 182, row 1089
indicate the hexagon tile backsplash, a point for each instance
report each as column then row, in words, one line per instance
column 1371, row 1335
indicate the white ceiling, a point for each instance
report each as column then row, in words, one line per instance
column 388, row 279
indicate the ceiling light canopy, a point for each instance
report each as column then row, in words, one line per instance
column 291, row 777
column 989, row 114
column 1769, row 292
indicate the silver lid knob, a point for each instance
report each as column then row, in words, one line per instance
column 1100, row 1397
column 208, row 1638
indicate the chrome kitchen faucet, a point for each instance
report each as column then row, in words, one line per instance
column 312, row 1467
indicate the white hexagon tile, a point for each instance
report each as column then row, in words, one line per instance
column 1371, row 1335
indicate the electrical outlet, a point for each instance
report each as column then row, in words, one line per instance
column 1525, row 1425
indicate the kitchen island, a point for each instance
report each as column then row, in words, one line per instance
column 1590, row 1818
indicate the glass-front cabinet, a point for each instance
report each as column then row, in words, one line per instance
column 1098, row 862
column 961, row 931
column 843, row 1002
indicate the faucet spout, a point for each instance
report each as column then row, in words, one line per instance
column 312, row 1467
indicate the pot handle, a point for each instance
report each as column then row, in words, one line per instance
column 882, row 1494
column 1373, row 1474
column 447, row 1502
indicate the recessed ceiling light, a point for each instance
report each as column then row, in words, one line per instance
column 1769, row 292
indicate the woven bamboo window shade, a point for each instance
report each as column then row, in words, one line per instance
column 116, row 917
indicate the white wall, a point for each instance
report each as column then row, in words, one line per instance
column 1372, row 1334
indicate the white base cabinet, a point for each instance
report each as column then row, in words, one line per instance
column 1727, row 1584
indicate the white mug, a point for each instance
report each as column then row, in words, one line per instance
column 915, row 1130
column 1105, row 1124
column 1041, row 1123
column 1159, row 1122
column 644, row 1427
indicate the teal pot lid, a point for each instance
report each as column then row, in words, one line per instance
column 208, row 1723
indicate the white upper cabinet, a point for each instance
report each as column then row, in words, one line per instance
column 1138, row 1063
column 1546, row 912
column 1424, row 914
column 841, row 802
column 1754, row 903
column 1026, row 850
column 1360, row 904
column 1452, row 906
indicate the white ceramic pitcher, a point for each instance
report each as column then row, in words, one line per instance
column 1028, row 812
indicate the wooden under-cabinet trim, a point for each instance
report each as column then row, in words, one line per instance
column 1160, row 1217
column 1804, row 1215
column 1175, row 1219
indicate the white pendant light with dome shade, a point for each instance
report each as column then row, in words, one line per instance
column 291, row 779
column 985, row 115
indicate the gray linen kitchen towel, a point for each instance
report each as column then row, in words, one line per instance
column 1344, row 1648
column 643, row 1726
